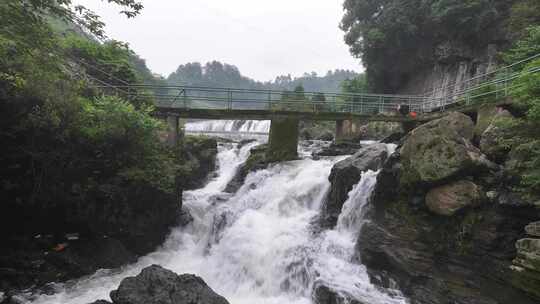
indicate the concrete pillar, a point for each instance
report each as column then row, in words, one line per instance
column 283, row 140
column 346, row 130
column 172, row 135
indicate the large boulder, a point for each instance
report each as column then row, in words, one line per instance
column 448, row 199
column 439, row 151
column 347, row 173
column 156, row 285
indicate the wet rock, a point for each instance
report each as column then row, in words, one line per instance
column 324, row 295
column 465, row 258
column 528, row 254
column 342, row 148
column 244, row 142
column 533, row 229
column 526, row 267
column 256, row 161
column 441, row 150
column 185, row 217
column 326, row 136
column 158, row 285
column 393, row 138
column 448, row 199
column 199, row 154
column 347, row 173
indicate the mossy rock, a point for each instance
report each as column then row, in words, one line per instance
column 438, row 151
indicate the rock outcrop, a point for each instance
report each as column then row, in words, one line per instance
column 324, row 295
column 432, row 236
column 199, row 154
column 158, row 285
column 439, row 151
column 343, row 148
column 256, row 161
column 448, row 199
column 115, row 221
column 347, row 173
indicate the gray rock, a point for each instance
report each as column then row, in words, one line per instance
column 158, row 285
column 448, row 199
column 347, row 173
column 533, row 229
column 441, row 150
column 528, row 254
column 101, row 302
column 325, row 295
column 342, row 148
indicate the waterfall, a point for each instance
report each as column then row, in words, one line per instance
column 248, row 126
column 260, row 245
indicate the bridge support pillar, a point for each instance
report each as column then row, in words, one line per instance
column 346, row 130
column 173, row 130
column 283, row 140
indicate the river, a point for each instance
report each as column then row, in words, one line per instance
column 260, row 245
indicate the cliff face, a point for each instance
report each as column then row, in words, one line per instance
column 446, row 225
column 453, row 63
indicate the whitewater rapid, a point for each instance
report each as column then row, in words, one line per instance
column 259, row 245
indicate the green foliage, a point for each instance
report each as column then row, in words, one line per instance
column 524, row 13
column 356, row 85
column 126, row 143
column 27, row 17
column 524, row 48
column 525, row 152
column 397, row 38
column 527, row 92
column 60, row 135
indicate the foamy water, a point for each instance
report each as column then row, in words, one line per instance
column 258, row 245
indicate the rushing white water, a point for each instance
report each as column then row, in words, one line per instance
column 248, row 126
column 258, row 245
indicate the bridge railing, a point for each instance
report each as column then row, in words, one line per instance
column 497, row 83
column 187, row 97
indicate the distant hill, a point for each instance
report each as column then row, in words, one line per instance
column 217, row 74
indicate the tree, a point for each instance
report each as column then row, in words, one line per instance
column 397, row 38
column 20, row 15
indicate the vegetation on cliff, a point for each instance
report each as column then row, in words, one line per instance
column 398, row 38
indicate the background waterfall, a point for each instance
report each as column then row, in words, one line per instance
column 248, row 126
column 260, row 245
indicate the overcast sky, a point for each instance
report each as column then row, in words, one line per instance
column 262, row 38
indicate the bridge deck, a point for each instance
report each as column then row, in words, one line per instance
column 268, row 115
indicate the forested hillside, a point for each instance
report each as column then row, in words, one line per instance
column 217, row 74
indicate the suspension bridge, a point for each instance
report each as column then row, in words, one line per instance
column 281, row 107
